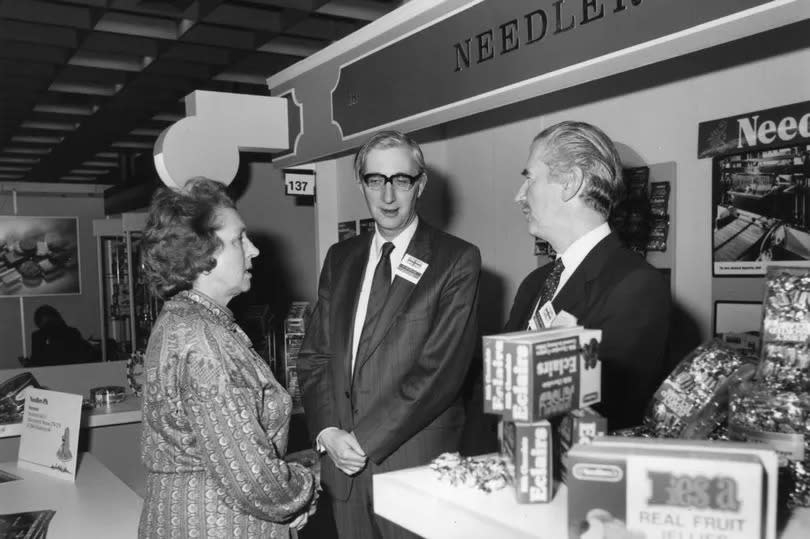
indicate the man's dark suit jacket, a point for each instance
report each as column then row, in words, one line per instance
column 617, row 291
column 404, row 401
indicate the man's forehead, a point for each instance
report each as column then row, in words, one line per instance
column 537, row 154
column 398, row 155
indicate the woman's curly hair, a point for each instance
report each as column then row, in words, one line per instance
column 180, row 238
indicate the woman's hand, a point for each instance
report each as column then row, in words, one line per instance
column 300, row 521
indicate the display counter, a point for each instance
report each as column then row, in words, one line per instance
column 121, row 413
column 416, row 500
column 98, row 504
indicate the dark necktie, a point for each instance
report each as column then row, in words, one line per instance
column 376, row 298
column 549, row 287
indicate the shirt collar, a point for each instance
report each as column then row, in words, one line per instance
column 400, row 242
column 577, row 251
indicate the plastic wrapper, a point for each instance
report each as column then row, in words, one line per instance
column 659, row 199
column 786, row 329
column 693, row 401
column 780, row 419
column 659, row 232
column 485, row 473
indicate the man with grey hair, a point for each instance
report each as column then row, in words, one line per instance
column 573, row 178
column 390, row 340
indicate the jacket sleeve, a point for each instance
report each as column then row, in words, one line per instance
column 315, row 358
column 235, row 449
column 435, row 379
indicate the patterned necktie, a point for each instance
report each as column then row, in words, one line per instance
column 549, row 287
column 376, row 298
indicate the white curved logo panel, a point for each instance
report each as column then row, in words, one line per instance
column 218, row 125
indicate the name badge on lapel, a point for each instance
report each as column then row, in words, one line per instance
column 411, row 269
column 547, row 314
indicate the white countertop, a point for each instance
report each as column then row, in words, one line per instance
column 128, row 411
column 416, row 500
column 98, row 504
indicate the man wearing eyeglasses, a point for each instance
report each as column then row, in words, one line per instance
column 390, row 340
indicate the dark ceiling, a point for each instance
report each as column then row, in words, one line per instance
column 86, row 86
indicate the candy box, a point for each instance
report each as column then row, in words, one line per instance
column 499, row 368
column 578, row 427
column 552, row 373
column 495, row 371
column 527, row 448
column 733, row 487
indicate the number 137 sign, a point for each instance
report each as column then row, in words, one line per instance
column 299, row 182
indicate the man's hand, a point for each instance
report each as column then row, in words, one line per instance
column 344, row 450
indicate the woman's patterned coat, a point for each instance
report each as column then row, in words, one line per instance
column 215, row 425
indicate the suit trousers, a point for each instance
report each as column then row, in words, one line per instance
column 355, row 517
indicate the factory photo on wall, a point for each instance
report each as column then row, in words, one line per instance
column 760, row 189
column 39, row 256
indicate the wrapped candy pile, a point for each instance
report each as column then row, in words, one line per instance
column 776, row 410
column 693, row 401
column 486, row 473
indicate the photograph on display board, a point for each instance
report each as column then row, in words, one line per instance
column 760, row 191
column 39, row 256
column 762, row 209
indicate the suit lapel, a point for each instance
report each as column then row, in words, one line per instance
column 401, row 289
column 347, row 293
column 573, row 296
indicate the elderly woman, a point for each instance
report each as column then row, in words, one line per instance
column 215, row 421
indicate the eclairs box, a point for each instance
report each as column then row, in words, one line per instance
column 552, row 373
column 499, row 367
column 527, row 448
column 666, row 489
column 500, row 370
column 579, row 426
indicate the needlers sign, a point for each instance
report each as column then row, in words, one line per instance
column 780, row 126
column 496, row 44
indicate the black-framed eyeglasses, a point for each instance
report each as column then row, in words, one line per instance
column 400, row 181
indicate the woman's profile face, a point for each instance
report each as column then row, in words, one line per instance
column 231, row 276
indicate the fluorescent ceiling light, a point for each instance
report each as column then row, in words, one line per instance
column 29, row 151
column 22, row 160
column 104, row 164
column 14, row 169
column 146, row 132
column 108, row 155
column 86, row 88
column 137, row 25
column 7, row 176
column 246, row 78
column 132, row 144
column 51, row 126
column 168, row 117
column 118, row 62
column 78, row 110
column 290, row 46
column 354, row 9
column 37, row 139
